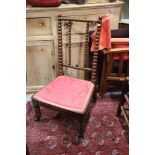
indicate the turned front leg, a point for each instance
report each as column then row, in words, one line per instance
column 81, row 132
column 37, row 109
column 94, row 96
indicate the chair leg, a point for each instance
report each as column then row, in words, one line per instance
column 81, row 135
column 83, row 119
column 118, row 113
column 122, row 99
column 94, row 98
column 81, row 132
column 103, row 88
column 37, row 110
column 77, row 138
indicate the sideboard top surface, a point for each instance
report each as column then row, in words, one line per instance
column 72, row 6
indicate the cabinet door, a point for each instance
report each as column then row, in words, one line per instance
column 40, row 64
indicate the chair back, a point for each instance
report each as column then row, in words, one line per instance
column 119, row 70
column 68, row 23
column 114, row 69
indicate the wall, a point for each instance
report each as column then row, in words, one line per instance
column 125, row 11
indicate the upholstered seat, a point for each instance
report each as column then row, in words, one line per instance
column 67, row 93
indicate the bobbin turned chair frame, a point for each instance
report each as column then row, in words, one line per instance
column 83, row 119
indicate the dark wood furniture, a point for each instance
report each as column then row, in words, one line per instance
column 114, row 56
column 113, row 86
column 123, row 106
column 83, row 117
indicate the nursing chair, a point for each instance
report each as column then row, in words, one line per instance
column 68, row 94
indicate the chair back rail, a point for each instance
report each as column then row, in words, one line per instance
column 93, row 67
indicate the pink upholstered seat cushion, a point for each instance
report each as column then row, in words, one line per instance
column 67, row 93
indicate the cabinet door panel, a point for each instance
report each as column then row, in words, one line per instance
column 40, row 64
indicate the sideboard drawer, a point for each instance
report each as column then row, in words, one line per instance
column 38, row 26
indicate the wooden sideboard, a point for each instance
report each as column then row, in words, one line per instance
column 41, row 38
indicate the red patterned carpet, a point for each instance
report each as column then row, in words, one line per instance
column 105, row 133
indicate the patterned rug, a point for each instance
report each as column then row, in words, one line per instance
column 105, row 133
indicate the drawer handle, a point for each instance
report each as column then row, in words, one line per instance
column 41, row 24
